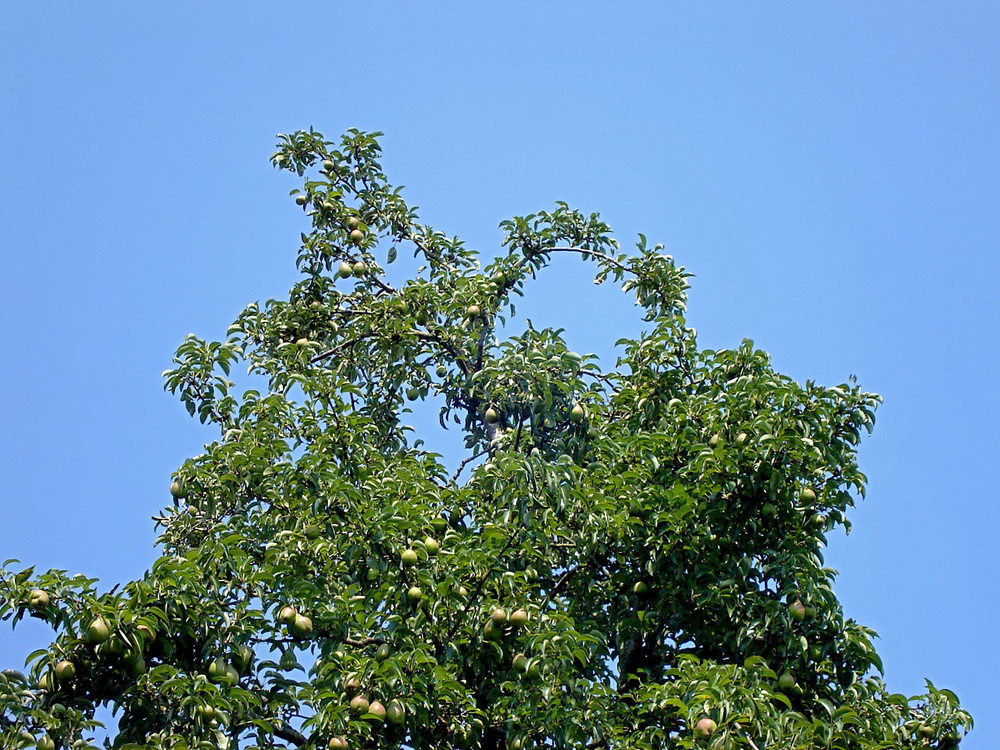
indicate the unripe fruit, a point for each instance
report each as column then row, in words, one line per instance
column 328, row 165
column 302, row 199
column 377, row 709
column 499, row 615
column 520, row 662
column 302, row 341
column 352, row 684
column 409, row 558
column 578, row 413
column 797, row 610
column 345, row 269
column 301, row 626
column 177, row 490
column 353, row 222
column 242, row 659
column 287, row 614
column 534, row 670
column 926, row 730
column 383, row 652
column 518, row 618
column 492, row 416
column 412, row 394
column 205, row 711
column 769, row 511
column 98, row 632
column 38, row 599
column 359, row 269
column 115, row 646
column 223, row 673
column 65, row 671
column 704, row 728
column 338, row 743
column 714, row 441
column 359, row 704
column 817, row 520
column 288, row 661
column 432, row 546
column 394, row 712
column 357, row 236
column 786, row 682
column 741, row 439
column 472, row 311
column 415, row 594
column 492, row 631
column 439, row 523
column 640, row 588
column 136, row 667
column 441, row 371
column 807, row 496
column 46, row 743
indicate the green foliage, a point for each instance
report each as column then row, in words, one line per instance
column 618, row 556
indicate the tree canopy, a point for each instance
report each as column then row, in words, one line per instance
column 629, row 557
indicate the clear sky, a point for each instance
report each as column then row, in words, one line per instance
column 829, row 172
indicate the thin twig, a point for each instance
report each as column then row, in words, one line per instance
column 447, row 345
column 603, row 378
column 595, row 253
column 466, row 462
column 567, row 574
column 340, row 347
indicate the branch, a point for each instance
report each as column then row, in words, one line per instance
column 603, row 378
column 594, row 253
column 433, row 257
column 363, row 642
column 466, row 462
column 355, row 311
column 447, row 345
column 567, row 574
column 383, row 286
column 517, row 437
column 290, row 735
column 340, row 347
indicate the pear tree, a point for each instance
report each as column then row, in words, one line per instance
column 626, row 556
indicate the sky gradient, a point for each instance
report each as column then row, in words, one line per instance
column 830, row 174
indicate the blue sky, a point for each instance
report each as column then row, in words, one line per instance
column 830, row 174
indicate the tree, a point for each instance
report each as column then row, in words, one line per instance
column 629, row 558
